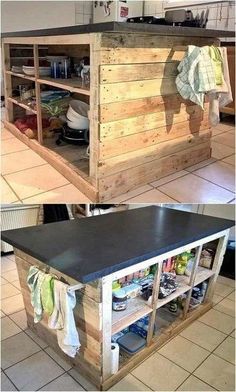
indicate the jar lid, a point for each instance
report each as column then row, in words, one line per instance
column 119, row 293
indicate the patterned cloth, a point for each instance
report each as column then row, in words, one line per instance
column 217, row 61
column 196, row 75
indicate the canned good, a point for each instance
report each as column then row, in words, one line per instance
column 119, row 300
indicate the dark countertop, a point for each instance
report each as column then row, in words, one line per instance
column 89, row 248
column 120, row 27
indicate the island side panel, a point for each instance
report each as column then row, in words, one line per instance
column 87, row 315
column 147, row 131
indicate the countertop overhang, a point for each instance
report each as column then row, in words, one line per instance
column 122, row 27
column 90, row 248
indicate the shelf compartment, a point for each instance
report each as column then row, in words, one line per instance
column 17, row 101
column 183, row 287
column 73, row 85
column 19, row 75
column 202, row 274
column 136, row 309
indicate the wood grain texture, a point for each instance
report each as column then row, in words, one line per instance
column 130, row 179
column 144, row 155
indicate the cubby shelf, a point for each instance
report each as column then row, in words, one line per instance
column 17, row 101
column 20, row 75
column 182, row 288
column 202, row 274
column 73, row 85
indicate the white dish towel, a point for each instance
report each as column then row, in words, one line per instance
column 62, row 319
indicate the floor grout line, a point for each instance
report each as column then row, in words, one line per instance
column 12, row 189
column 27, row 168
column 10, row 380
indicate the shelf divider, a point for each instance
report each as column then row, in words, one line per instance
column 38, row 96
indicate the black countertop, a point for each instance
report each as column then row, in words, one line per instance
column 120, row 27
column 90, row 248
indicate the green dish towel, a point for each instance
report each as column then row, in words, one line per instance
column 47, row 296
column 217, row 61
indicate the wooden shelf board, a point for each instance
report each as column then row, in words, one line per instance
column 16, row 101
column 136, row 309
column 73, row 84
column 202, row 274
column 179, row 291
column 19, row 75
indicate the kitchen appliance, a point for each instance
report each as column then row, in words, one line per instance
column 72, row 136
column 119, row 11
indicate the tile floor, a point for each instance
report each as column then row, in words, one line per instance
column 200, row 358
column 27, row 178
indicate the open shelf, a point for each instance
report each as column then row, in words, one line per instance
column 202, row 274
column 136, row 309
column 19, row 75
column 73, row 85
column 183, row 288
column 23, row 105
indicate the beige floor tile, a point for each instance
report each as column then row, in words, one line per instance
column 33, row 181
column 223, row 290
column 160, row 374
column 227, row 350
column 63, row 363
column 233, row 334
column 216, row 298
column 6, row 384
column 129, row 383
column 226, row 306
column 203, row 335
column 20, row 319
column 3, row 281
column 176, row 351
column 230, row 160
column 219, row 173
column 8, row 328
column 22, row 160
column 12, row 145
column 225, row 126
column 194, row 384
column 87, row 385
column 215, row 319
column 216, row 131
column 201, row 164
column 130, row 194
column 231, row 296
column 169, row 178
column 11, row 256
column 34, row 372
column 10, row 275
column 8, row 290
column 152, row 196
column 7, row 264
column 16, row 283
column 17, row 348
column 226, row 281
column 37, row 340
column 5, row 134
column 7, row 194
column 13, row 304
column 2, row 314
column 193, row 189
column 226, row 139
column 63, row 383
column 218, row 373
column 65, row 194
column 219, row 151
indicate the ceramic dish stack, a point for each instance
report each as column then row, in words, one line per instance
column 77, row 115
column 43, row 71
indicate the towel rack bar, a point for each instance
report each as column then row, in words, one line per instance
column 75, row 287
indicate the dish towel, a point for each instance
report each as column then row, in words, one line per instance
column 62, row 319
column 47, row 294
column 35, row 279
column 196, row 75
column 217, row 60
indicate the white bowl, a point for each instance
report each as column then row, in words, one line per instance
column 43, row 71
column 77, row 115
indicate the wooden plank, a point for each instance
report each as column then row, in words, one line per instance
column 17, row 102
column 106, row 326
column 111, row 148
column 139, row 157
column 129, row 126
column 67, row 169
column 115, row 92
column 7, row 81
column 121, row 110
column 130, row 179
column 22, row 76
column 131, row 72
column 72, row 39
column 73, row 85
column 149, row 55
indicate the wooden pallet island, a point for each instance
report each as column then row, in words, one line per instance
column 75, row 262
column 140, row 127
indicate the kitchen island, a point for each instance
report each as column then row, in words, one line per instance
column 140, row 128
column 91, row 253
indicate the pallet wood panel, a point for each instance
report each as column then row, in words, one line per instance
column 132, row 125
column 130, row 179
column 111, row 148
column 130, row 72
column 139, row 157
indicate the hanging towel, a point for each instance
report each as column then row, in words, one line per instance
column 62, row 319
column 47, row 294
column 35, row 279
column 217, row 61
column 196, row 75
